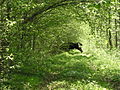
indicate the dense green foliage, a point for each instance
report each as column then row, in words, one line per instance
column 31, row 35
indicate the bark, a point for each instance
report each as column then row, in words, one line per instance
column 110, row 39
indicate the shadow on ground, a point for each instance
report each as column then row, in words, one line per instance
column 65, row 71
column 72, row 68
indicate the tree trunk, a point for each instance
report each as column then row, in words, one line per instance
column 110, row 39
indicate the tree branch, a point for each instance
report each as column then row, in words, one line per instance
column 46, row 8
column 41, row 11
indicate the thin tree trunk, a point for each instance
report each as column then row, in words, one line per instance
column 109, row 28
column 116, row 40
column 110, row 39
column 116, row 36
column 118, row 28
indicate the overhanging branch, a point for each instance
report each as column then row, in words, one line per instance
column 46, row 8
column 41, row 11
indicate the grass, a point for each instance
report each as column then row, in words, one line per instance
column 71, row 71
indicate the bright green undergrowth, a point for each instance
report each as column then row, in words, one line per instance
column 70, row 71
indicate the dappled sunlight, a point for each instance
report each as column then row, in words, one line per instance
column 68, row 69
column 60, row 45
column 78, row 85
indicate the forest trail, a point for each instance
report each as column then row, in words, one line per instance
column 78, row 71
column 68, row 71
column 60, row 45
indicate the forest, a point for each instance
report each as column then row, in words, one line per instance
column 59, row 44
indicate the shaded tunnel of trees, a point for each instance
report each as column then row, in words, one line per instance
column 31, row 31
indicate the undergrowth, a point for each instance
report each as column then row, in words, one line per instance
column 69, row 71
